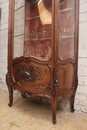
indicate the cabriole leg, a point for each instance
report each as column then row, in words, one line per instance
column 73, row 96
column 54, row 106
column 72, row 103
column 10, row 96
column 9, row 84
column 54, row 117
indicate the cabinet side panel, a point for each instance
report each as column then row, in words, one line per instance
column 66, row 45
column 66, row 76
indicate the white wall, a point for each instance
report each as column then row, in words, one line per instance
column 19, row 20
column 3, row 41
column 81, row 96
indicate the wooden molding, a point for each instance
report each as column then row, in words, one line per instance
column 0, row 12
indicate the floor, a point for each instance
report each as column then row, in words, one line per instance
column 35, row 115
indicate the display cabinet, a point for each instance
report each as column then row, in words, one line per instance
column 48, row 63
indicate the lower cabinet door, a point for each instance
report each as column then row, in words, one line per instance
column 32, row 76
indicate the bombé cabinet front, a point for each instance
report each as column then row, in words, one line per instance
column 47, row 66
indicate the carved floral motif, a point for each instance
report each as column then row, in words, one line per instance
column 55, row 84
column 8, row 79
column 29, row 73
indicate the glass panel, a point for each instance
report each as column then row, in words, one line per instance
column 19, row 14
column 38, row 32
column 66, row 28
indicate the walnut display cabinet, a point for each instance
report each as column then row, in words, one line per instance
column 48, row 65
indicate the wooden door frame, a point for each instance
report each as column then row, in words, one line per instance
column 11, row 38
column 76, row 34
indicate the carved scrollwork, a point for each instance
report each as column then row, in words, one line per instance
column 76, row 82
column 49, row 87
column 8, row 79
column 29, row 73
column 55, row 84
column 26, row 58
column 26, row 94
column 60, row 62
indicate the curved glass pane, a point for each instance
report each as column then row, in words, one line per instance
column 19, row 16
column 66, row 28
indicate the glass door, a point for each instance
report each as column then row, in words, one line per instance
column 38, row 29
column 33, row 44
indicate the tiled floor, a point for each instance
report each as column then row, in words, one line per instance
column 34, row 115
